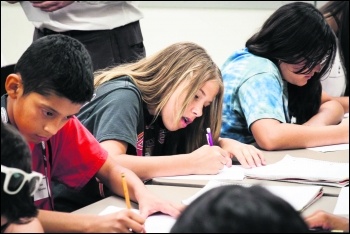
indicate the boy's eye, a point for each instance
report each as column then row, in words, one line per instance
column 48, row 113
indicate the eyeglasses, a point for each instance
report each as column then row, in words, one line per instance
column 15, row 179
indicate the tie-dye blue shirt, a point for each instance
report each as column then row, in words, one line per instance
column 254, row 90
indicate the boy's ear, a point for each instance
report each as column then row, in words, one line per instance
column 13, row 85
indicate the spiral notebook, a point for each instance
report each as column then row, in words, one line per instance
column 300, row 197
column 303, row 170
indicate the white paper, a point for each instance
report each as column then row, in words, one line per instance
column 34, row 14
column 330, row 148
column 303, row 170
column 300, row 197
column 156, row 223
column 342, row 205
column 233, row 173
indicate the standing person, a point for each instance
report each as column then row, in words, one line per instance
column 239, row 209
column 52, row 80
column 275, row 82
column 336, row 82
column 110, row 30
column 18, row 184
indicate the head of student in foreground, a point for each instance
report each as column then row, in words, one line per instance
column 238, row 209
column 182, row 85
column 17, row 206
column 52, row 80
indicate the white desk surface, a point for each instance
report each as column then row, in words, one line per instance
column 272, row 157
column 177, row 194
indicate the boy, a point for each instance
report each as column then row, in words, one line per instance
column 52, row 80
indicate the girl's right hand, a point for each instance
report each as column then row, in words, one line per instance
column 208, row 160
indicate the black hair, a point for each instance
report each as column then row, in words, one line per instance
column 239, row 209
column 297, row 32
column 15, row 153
column 339, row 10
column 57, row 64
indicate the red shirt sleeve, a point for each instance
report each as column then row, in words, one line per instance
column 76, row 155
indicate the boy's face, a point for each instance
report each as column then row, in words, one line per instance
column 37, row 117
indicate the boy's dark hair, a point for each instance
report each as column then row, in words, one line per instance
column 297, row 32
column 339, row 10
column 57, row 64
column 15, row 153
column 239, row 209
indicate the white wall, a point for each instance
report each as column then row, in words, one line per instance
column 220, row 31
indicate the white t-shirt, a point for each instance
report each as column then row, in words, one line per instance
column 85, row 15
column 334, row 82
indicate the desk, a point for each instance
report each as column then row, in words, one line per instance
column 272, row 157
column 177, row 194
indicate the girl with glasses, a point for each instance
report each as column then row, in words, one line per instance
column 18, row 183
column 275, row 81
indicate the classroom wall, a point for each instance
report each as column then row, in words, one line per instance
column 220, row 27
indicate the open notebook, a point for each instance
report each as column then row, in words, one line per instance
column 303, row 170
column 156, row 223
column 300, row 197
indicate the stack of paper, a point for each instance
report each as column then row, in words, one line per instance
column 303, row 170
column 156, row 223
column 300, row 197
column 342, row 206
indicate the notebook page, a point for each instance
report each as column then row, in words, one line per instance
column 156, row 223
column 298, row 169
column 342, row 205
column 300, row 197
column 330, row 148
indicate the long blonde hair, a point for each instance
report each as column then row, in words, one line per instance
column 158, row 76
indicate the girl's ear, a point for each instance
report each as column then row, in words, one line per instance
column 13, row 85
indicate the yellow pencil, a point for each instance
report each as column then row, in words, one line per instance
column 126, row 192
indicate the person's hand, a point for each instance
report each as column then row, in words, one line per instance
column 124, row 221
column 150, row 204
column 50, row 6
column 208, row 160
column 248, row 155
column 327, row 221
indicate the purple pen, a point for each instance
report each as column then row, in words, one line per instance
column 210, row 137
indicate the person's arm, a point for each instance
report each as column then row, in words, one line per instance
column 344, row 101
column 205, row 160
column 110, row 175
column 50, row 6
column 33, row 226
column 121, row 221
column 327, row 221
column 271, row 134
